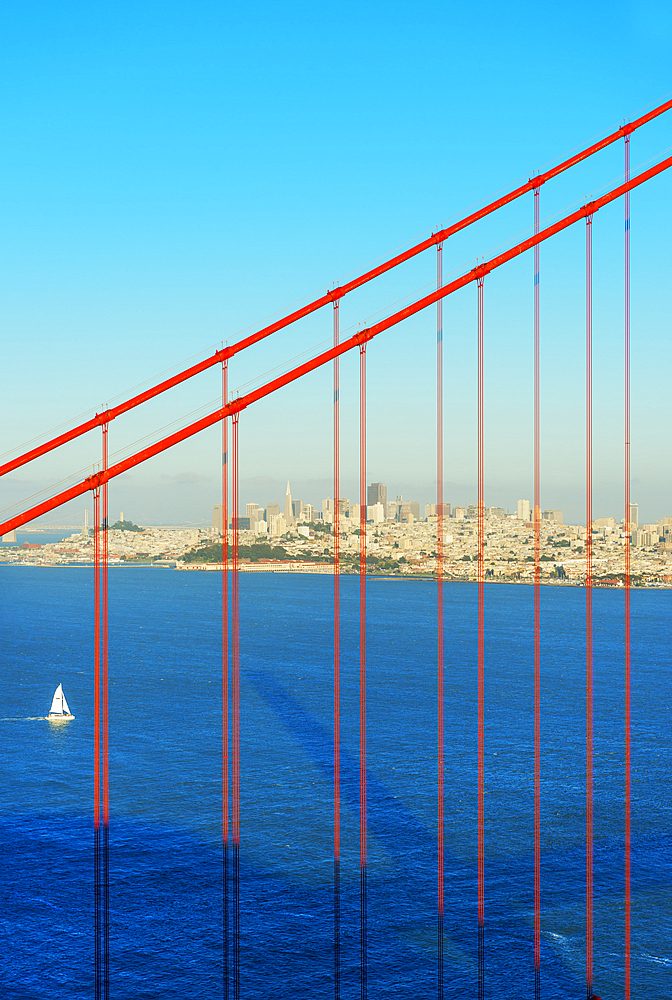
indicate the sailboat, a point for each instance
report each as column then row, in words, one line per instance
column 59, row 707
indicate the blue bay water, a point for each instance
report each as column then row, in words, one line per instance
column 166, row 761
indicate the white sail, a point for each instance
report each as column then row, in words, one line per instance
column 57, row 703
column 59, row 706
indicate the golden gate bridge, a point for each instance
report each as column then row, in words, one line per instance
column 228, row 415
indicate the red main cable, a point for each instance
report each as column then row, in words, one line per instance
column 628, row 520
column 363, row 833
column 439, row 616
column 225, row 677
column 537, row 622
column 337, row 696
column 333, row 295
column 481, row 662
column 589, row 605
column 357, row 339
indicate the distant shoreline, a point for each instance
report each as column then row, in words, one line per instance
column 313, row 570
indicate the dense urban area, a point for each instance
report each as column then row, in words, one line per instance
column 400, row 540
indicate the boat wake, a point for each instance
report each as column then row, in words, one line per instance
column 25, row 718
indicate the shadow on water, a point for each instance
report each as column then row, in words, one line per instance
column 165, row 727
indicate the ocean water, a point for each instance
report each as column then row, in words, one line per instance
column 165, row 767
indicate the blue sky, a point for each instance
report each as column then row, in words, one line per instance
column 174, row 174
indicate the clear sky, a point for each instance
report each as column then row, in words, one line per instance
column 174, row 173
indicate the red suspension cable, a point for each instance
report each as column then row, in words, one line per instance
column 537, row 622
column 362, row 336
column 331, row 296
column 235, row 676
column 363, row 833
column 104, row 680
column 481, row 663
column 337, row 696
column 439, row 615
column 628, row 519
column 589, row 605
column 225, row 678
column 97, row 855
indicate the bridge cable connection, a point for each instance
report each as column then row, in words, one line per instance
column 537, row 620
column 330, row 296
column 225, row 683
column 363, row 798
column 439, row 617
column 481, row 658
column 337, row 696
column 627, row 581
column 589, row 606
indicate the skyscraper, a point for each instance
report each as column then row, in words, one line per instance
column 289, row 514
column 271, row 510
column 524, row 510
column 376, row 493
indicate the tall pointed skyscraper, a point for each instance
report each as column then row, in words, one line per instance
column 289, row 518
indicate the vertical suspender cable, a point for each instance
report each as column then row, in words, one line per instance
column 225, row 681
column 362, row 675
column 481, row 664
column 97, row 870
column 627, row 581
column 589, row 605
column 235, row 674
column 439, row 615
column 537, row 623
column 105, row 728
column 337, row 696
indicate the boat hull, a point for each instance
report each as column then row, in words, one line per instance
column 59, row 718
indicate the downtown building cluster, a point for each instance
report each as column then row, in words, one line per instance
column 399, row 539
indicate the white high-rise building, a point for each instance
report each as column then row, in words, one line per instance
column 376, row 512
column 523, row 510
column 308, row 513
column 289, row 514
column 278, row 525
column 255, row 513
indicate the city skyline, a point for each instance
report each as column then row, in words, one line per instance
column 145, row 511
column 381, row 509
